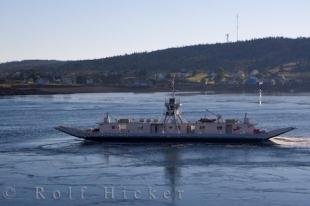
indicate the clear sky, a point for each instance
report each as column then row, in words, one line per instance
column 88, row 29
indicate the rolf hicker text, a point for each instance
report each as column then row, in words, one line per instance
column 107, row 193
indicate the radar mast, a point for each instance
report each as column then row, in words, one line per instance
column 173, row 112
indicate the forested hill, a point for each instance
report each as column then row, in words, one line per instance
column 260, row 54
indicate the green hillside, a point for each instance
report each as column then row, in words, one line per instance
column 278, row 62
column 258, row 54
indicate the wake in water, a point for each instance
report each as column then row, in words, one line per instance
column 302, row 142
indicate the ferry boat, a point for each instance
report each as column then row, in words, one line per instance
column 173, row 128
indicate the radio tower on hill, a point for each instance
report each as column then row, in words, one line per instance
column 237, row 27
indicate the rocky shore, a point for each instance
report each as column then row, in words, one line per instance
column 71, row 89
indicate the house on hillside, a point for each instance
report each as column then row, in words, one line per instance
column 251, row 80
column 160, row 76
column 90, row 81
column 42, row 81
column 69, row 80
column 254, row 72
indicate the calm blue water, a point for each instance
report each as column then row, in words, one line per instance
column 39, row 165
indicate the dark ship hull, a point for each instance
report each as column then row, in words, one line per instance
column 171, row 137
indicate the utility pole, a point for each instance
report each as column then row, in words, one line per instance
column 260, row 92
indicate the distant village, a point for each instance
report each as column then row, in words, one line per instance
column 278, row 76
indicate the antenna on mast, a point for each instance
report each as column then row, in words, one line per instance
column 172, row 85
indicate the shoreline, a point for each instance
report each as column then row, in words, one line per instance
column 73, row 89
